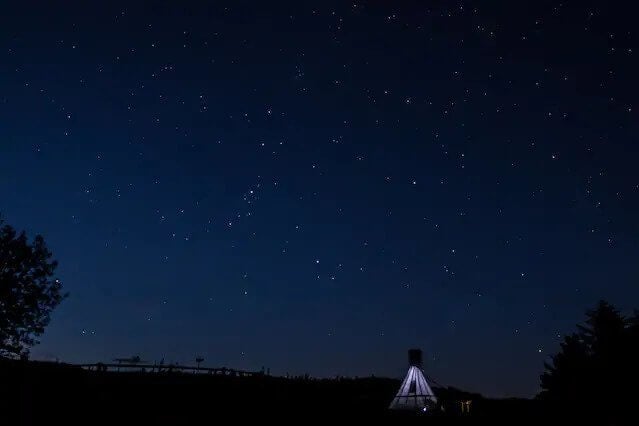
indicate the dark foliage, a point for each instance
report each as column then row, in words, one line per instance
column 28, row 290
column 596, row 371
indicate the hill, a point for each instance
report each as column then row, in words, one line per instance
column 42, row 392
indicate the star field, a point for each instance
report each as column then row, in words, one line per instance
column 315, row 187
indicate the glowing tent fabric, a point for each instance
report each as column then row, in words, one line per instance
column 414, row 394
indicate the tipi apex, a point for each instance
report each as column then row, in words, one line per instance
column 414, row 394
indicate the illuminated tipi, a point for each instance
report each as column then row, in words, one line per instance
column 414, row 393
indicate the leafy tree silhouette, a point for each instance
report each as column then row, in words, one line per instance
column 596, row 371
column 28, row 290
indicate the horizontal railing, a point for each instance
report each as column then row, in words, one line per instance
column 161, row 368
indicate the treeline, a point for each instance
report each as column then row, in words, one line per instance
column 596, row 372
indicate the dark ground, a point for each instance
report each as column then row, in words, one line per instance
column 48, row 393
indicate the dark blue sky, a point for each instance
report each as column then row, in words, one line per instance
column 318, row 186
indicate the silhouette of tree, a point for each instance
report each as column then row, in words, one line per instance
column 28, row 290
column 595, row 372
column 565, row 377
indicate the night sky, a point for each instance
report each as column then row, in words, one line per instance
column 315, row 187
